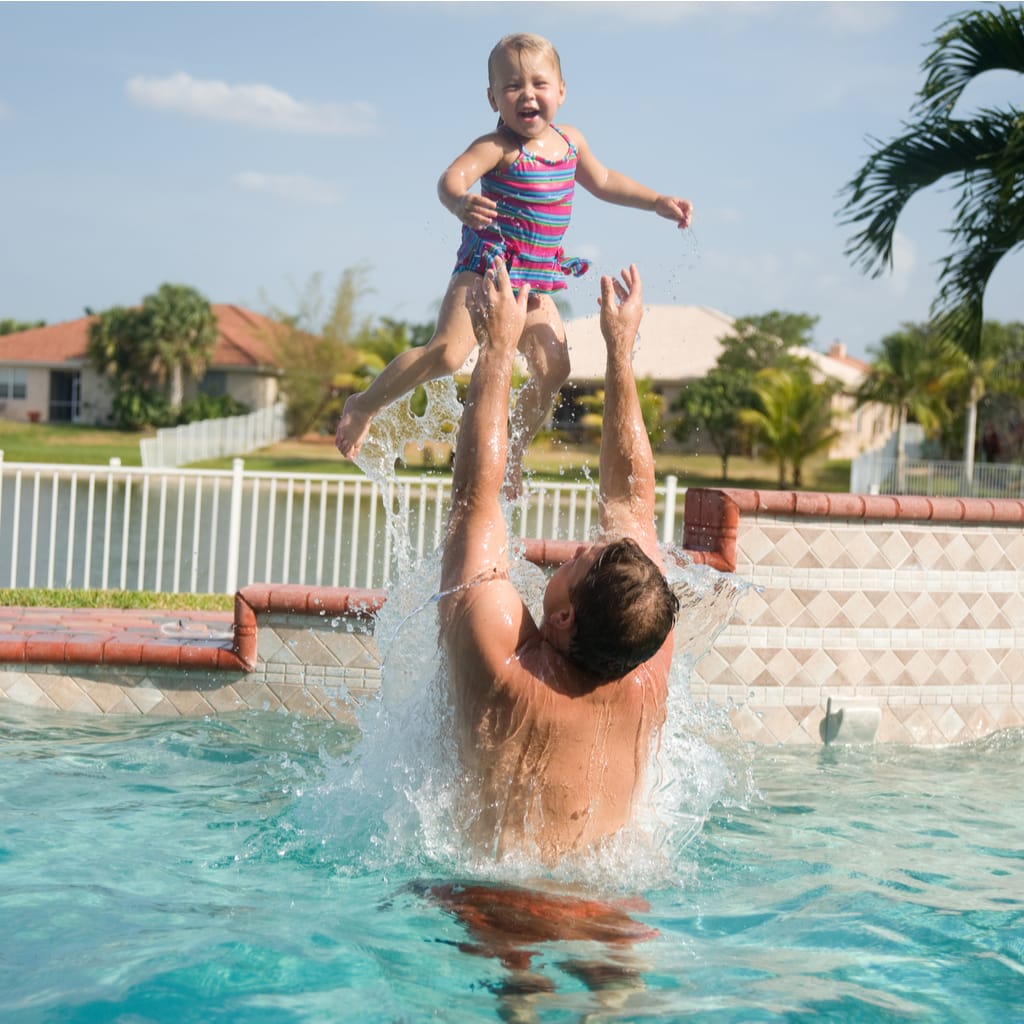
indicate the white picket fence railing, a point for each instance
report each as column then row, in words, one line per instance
column 213, row 531
column 879, row 473
column 213, row 439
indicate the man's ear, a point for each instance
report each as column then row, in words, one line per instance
column 564, row 619
column 491, row 100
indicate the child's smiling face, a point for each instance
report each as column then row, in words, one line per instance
column 526, row 90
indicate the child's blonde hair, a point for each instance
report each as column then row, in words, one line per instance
column 523, row 42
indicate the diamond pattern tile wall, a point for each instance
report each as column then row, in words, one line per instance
column 924, row 620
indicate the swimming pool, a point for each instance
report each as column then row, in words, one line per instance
column 246, row 869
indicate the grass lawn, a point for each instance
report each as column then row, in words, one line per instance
column 38, row 598
column 69, row 443
column 546, row 459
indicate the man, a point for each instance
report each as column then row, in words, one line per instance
column 555, row 723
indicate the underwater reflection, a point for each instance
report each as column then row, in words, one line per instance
column 510, row 924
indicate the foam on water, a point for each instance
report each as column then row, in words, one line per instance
column 390, row 804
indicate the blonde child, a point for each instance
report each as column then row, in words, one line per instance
column 527, row 168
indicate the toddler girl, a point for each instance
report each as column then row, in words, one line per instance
column 527, row 168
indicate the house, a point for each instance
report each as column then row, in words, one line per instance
column 45, row 375
column 682, row 343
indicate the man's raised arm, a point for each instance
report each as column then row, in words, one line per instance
column 627, row 463
column 476, row 541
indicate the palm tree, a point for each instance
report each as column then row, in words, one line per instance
column 983, row 155
column 710, row 407
column 793, row 418
column 911, row 373
column 182, row 332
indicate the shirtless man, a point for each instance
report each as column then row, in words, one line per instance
column 555, row 723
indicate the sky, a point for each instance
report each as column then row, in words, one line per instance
column 244, row 149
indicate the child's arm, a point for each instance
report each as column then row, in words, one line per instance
column 454, row 187
column 614, row 187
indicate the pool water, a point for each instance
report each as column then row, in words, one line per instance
column 238, row 870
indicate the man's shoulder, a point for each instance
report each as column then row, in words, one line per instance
column 488, row 616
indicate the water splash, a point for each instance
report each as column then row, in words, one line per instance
column 692, row 256
column 393, row 429
column 390, row 804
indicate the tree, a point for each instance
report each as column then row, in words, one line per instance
column 983, row 156
column 765, row 340
column 911, row 373
column 712, row 406
column 9, row 326
column 995, row 373
column 117, row 348
column 317, row 354
column 181, row 332
column 152, row 346
column 793, row 417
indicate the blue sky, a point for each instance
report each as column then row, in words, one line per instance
column 242, row 148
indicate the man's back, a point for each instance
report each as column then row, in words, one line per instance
column 551, row 764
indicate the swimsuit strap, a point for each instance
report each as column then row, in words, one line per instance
column 523, row 151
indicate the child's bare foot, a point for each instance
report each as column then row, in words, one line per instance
column 353, row 427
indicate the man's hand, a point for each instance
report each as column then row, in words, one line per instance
column 621, row 311
column 498, row 314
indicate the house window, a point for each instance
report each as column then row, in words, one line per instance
column 13, row 382
column 214, row 383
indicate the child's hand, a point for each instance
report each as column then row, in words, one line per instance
column 671, row 208
column 475, row 211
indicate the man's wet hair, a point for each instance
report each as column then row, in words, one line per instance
column 624, row 610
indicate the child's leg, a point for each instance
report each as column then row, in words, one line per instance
column 446, row 351
column 547, row 356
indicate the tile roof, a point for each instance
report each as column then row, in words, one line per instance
column 244, row 341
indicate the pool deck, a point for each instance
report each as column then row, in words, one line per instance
column 115, row 636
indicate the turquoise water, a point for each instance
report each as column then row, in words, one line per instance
column 244, row 869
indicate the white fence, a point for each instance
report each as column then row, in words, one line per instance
column 213, row 531
column 213, row 439
column 879, row 473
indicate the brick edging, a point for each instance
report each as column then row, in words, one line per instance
column 294, row 599
column 713, row 513
column 877, row 506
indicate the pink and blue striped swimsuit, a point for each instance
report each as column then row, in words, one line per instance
column 534, row 198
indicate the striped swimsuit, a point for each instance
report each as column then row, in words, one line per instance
column 534, row 198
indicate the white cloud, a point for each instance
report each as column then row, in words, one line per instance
column 260, row 106
column 296, row 188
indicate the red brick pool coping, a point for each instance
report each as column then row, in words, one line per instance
column 713, row 514
column 221, row 641
column 217, row 641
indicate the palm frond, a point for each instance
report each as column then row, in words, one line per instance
column 967, row 45
column 896, row 172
